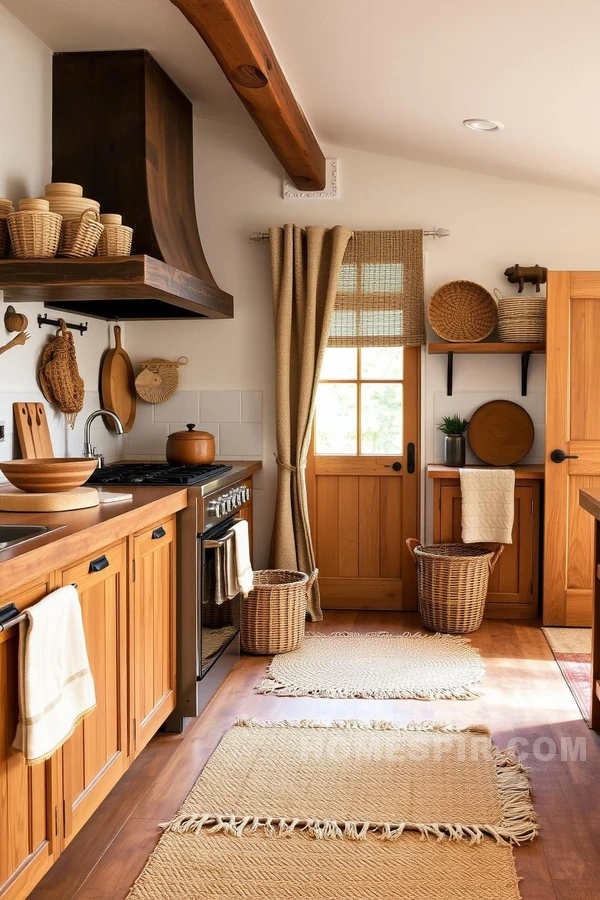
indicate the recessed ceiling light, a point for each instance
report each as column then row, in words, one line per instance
column 483, row 125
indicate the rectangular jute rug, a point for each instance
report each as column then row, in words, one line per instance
column 348, row 778
column 379, row 665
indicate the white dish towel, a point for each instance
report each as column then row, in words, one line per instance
column 239, row 576
column 56, row 688
column 488, row 505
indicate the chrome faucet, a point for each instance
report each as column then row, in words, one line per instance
column 90, row 452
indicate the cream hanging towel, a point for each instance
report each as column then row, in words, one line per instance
column 239, row 576
column 488, row 505
column 56, row 688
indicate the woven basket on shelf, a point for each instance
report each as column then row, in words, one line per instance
column 79, row 236
column 6, row 208
column 462, row 311
column 274, row 612
column 452, row 584
column 116, row 238
column 521, row 319
column 34, row 231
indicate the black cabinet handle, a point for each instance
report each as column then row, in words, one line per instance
column 97, row 565
column 395, row 466
column 158, row 533
column 559, row 456
column 410, row 458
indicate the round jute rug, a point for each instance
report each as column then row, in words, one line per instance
column 379, row 665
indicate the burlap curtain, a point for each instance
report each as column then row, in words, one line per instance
column 379, row 300
column 305, row 266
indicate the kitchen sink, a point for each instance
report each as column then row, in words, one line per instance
column 10, row 535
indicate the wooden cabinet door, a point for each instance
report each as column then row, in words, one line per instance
column 96, row 755
column 246, row 512
column 28, row 794
column 512, row 591
column 153, row 630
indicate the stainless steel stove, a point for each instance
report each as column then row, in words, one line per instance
column 208, row 624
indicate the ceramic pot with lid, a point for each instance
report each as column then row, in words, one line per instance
column 190, row 448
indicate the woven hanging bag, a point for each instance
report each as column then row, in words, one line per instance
column 60, row 380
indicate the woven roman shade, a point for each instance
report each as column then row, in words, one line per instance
column 379, row 301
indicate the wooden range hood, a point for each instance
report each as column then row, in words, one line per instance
column 123, row 129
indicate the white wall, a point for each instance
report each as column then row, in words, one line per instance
column 25, row 167
column 493, row 222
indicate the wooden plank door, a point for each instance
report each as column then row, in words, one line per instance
column 573, row 427
column 28, row 794
column 97, row 754
column 363, row 477
column 153, row 630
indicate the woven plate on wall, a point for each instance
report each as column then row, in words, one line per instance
column 462, row 312
column 158, row 379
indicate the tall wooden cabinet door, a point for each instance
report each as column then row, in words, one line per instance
column 572, row 429
column 512, row 591
column 153, row 630
column 96, row 755
column 28, row 794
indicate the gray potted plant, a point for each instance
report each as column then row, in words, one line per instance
column 454, row 428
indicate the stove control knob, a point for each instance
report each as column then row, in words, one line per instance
column 213, row 508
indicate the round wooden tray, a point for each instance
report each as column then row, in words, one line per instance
column 501, row 433
column 14, row 500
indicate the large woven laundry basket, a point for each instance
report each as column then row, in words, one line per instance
column 274, row 612
column 452, row 583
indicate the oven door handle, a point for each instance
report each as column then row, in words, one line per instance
column 209, row 544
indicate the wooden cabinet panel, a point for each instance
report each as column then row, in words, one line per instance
column 28, row 794
column 153, row 630
column 96, row 755
column 513, row 589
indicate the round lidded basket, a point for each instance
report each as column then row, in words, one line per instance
column 274, row 612
column 6, row 208
column 63, row 188
column 79, row 237
column 116, row 238
column 462, row 312
column 521, row 319
column 66, row 199
column 452, row 581
column 34, row 230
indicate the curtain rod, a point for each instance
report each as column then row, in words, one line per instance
column 432, row 232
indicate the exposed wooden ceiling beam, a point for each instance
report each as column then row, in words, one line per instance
column 233, row 33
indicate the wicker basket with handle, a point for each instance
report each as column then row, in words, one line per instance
column 274, row 612
column 80, row 236
column 452, row 583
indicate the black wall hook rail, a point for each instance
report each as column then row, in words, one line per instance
column 44, row 320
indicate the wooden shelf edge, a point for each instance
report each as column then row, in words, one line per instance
column 483, row 347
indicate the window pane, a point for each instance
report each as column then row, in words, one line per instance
column 381, row 419
column 347, row 279
column 382, row 278
column 339, row 362
column 381, row 362
column 336, row 419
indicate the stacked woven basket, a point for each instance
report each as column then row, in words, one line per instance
column 63, row 223
column 521, row 319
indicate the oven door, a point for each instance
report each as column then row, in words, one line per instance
column 219, row 615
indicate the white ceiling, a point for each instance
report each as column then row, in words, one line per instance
column 392, row 76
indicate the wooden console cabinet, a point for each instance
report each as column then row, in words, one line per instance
column 514, row 588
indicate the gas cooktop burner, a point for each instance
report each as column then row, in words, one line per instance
column 156, row 473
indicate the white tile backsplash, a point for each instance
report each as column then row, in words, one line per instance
column 183, row 406
column 242, row 438
column 466, row 402
column 220, row 406
column 234, row 417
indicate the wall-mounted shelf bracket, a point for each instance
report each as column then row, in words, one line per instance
column 524, row 371
column 449, row 374
column 524, row 350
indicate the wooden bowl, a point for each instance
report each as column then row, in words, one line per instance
column 40, row 476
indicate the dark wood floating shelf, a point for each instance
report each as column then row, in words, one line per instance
column 116, row 287
column 523, row 349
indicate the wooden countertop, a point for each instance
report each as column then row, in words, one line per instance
column 85, row 531
column 529, row 472
column 590, row 501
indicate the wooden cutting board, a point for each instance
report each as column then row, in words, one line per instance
column 501, row 433
column 14, row 500
column 117, row 385
column 32, row 430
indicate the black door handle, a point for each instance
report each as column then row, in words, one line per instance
column 97, row 565
column 158, row 533
column 559, row 456
column 397, row 466
column 410, row 458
